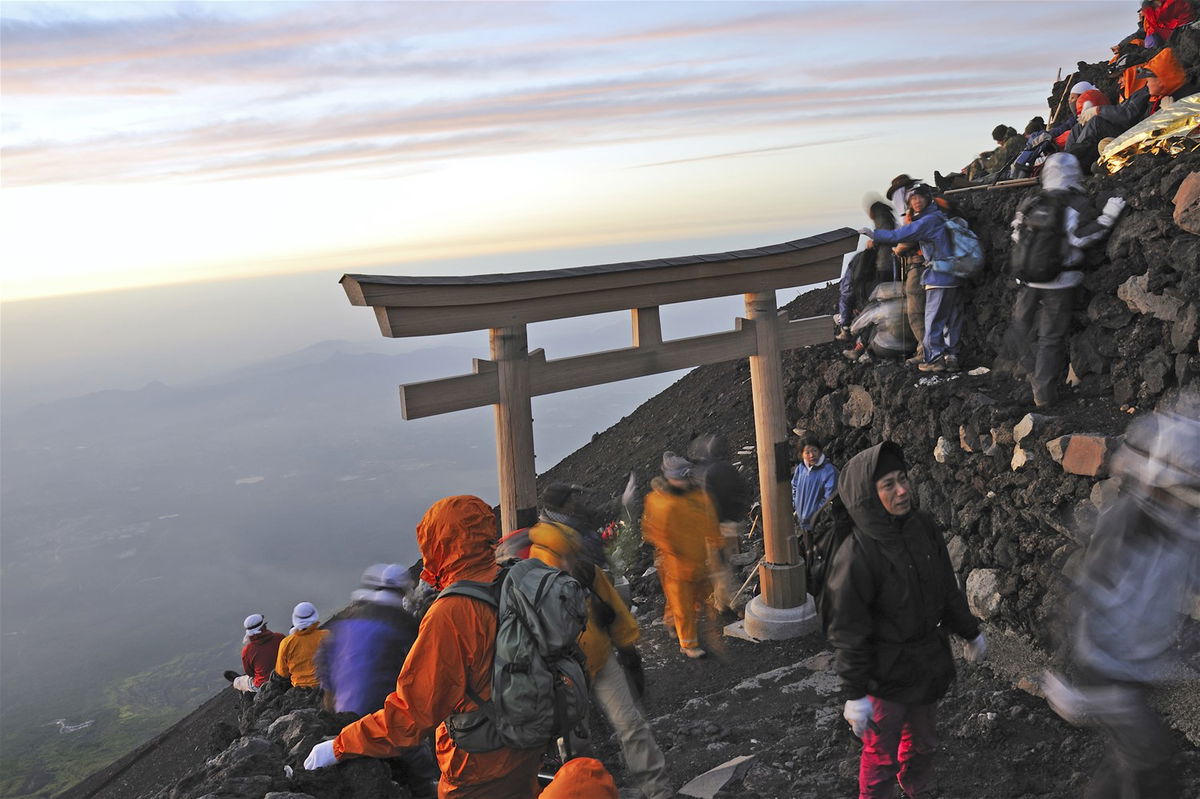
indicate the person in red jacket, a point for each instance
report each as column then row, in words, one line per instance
column 258, row 653
column 1160, row 18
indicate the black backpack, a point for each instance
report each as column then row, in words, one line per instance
column 831, row 524
column 1041, row 240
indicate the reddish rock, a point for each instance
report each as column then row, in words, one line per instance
column 1087, row 455
column 1187, row 204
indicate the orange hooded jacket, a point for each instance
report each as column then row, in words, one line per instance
column 560, row 546
column 681, row 526
column 456, row 643
column 581, row 778
column 1165, row 65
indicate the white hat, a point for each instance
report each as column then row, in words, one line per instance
column 397, row 578
column 1081, row 87
column 254, row 624
column 305, row 615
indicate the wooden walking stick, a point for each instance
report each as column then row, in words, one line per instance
column 1066, row 92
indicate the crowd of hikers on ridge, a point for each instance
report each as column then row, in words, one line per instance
column 485, row 657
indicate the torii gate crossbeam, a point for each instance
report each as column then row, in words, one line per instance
column 505, row 304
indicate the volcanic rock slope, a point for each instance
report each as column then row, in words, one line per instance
column 1002, row 484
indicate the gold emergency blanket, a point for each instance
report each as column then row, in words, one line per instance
column 1172, row 131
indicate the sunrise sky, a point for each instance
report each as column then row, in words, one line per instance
column 154, row 143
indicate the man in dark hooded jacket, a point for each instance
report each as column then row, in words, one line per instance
column 891, row 599
column 730, row 494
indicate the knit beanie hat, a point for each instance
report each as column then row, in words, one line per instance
column 304, row 616
column 675, row 467
column 890, row 460
column 556, row 495
column 254, row 624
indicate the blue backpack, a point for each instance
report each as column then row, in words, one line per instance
column 966, row 256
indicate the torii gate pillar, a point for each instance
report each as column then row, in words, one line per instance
column 514, row 428
column 782, row 609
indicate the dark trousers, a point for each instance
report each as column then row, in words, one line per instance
column 1040, row 321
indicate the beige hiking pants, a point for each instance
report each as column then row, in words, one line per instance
column 643, row 758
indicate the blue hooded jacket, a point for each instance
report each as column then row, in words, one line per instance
column 929, row 231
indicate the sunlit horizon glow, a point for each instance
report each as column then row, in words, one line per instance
column 150, row 144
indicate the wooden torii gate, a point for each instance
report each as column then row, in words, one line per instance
column 504, row 304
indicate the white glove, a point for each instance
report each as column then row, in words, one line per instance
column 868, row 232
column 321, row 756
column 630, row 493
column 1087, row 113
column 976, row 649
column 858, row 713
column 1112, row 210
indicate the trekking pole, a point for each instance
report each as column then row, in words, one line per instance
column 753, row 574
column 1063, row 98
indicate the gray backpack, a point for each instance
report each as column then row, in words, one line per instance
column 539, row 681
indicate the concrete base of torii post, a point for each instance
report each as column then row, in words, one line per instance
column 765, row 623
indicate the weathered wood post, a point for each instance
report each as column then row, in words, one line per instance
column 780, row 610
column 514, row 428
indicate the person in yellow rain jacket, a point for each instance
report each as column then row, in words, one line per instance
column 295, row 661
column 556, row 541
column 680, row 521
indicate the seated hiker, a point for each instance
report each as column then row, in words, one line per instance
column 364, row 651
column 1161, row 18
column 943, row 312
column 990, row 165
column 449, row 663
column 883, row 326
column 679, row 520
column 813, row 481
column 296, row 662
column 260, row 647
column 730, row 495
column 1050, row 230
column 1038, row 144
column 1062, row 128
column 609, row 625
column 1166, row 81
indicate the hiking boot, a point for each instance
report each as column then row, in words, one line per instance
column 854, row 353
column 694, row 652
column 951, row 363
column 915, row 360
column 230, row 675
column 843, row 334
column 865, row 358
column 938, row 365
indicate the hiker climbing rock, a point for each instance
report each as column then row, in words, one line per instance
column 891, row 597
column 680, row 521
column 1049, row 232
column 943, row 312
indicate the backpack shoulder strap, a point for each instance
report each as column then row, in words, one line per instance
column 476, row 589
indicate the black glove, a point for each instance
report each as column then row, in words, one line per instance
column 631, row 661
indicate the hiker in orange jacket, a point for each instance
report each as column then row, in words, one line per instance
column 680, row 521
column 581, row 778
column 454, row 648
column 556, row 542
column 296, row 660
